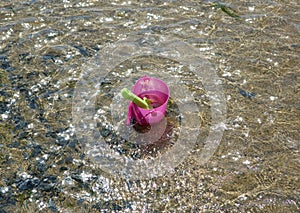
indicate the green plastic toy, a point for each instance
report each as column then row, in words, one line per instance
column 143, row 103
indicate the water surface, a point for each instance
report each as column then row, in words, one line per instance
column 46, row 46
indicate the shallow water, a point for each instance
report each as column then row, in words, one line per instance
column 230, row 141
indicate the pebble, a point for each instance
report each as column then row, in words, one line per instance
column 28, row 184
column 41, row 166
column 47, row 183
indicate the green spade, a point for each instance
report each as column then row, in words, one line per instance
column 143, row 103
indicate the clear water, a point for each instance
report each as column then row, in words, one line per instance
column 45, row 48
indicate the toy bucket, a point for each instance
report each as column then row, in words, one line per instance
column 157, row 92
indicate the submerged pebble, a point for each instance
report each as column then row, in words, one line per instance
column 246, row 94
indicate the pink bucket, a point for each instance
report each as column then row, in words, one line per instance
column 155, row 90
